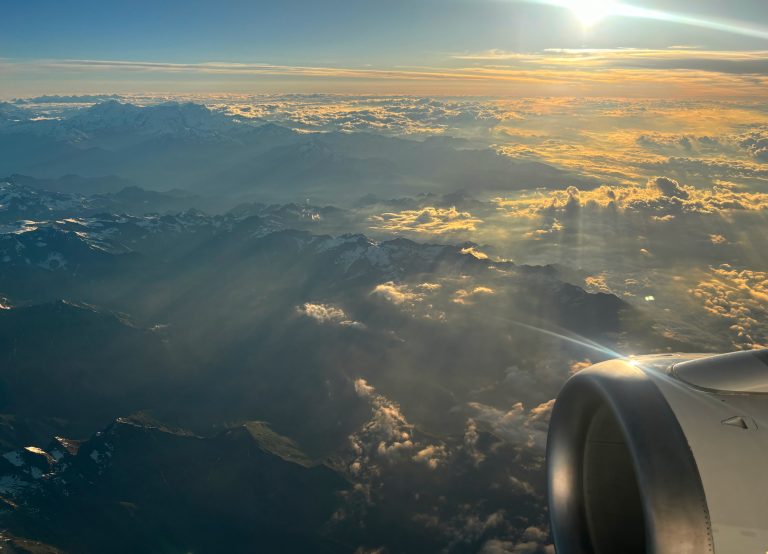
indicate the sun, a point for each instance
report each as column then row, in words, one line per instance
column 590, row 12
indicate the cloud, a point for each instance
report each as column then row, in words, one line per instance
column 550, row 229
column 421, row 301
column 497, row 546
column 717, row 239
column 719, row 61
column 431, row 455
column 528, row 429
column 231, row 68
column 363, row 389
column 669, row 187
column 465, row 296
column 625, row 141
column 385, row 434
column 400, row 293
column 467, row 527
column 660, row 195
column 471, row 438
column 327, row 313
column 740, row 298
column 429, row 220
column 472, row 251
column 756, row 143
column 597, row 283
column 387, row 437
column 713, row 168
column 395, row 115
column 534, row 540
column 522, row 487
column 496, row 54
column 607, row 141
column 682, row 143
column 531, row 74
column 578, row 365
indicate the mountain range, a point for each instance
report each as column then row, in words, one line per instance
column 195, row 357
column 189, row 147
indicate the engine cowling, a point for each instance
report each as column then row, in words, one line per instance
column 662, row 454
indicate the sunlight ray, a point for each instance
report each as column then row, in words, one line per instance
column 590, row 12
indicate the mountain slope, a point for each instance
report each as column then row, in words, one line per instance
column 139, row 487
column 93, row 365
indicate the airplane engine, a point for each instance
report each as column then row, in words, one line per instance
column 662, row 454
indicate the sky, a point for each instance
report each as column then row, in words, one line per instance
column 507, row 47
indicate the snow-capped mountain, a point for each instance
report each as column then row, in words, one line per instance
column 23, row 471
column 113, row 124
column 10, row 114
column 49, row 248
column 193, row 147
column 220, row 323
column 34, row 235
column 134, row 468
column 171, row 118
column 19, row 202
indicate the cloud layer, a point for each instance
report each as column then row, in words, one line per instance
column 661, row 196
column 619, row 72
column 430, row 220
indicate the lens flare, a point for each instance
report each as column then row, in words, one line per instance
column 734, row 27
column 576, row 339
column 590, row 12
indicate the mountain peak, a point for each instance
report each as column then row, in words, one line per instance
column 114, row 117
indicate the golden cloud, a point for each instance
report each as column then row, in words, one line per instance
column 554, row 227
column 597, row 283
column 717, row 239
column 327, row 313
column 578, row 365
column 387, row 436
column 740, row 297
column 623, row 141
column 398, row 293
column 587, row 73
column 472, row 251
column 659, row 195
column 732, row 60
column 426, row 220
column 465, row 296
column 431, row 455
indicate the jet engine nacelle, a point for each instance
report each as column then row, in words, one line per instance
column 662, row 454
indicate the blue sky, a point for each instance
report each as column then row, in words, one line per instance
column 396, row 34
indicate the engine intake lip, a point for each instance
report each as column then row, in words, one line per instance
column 675, row 518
